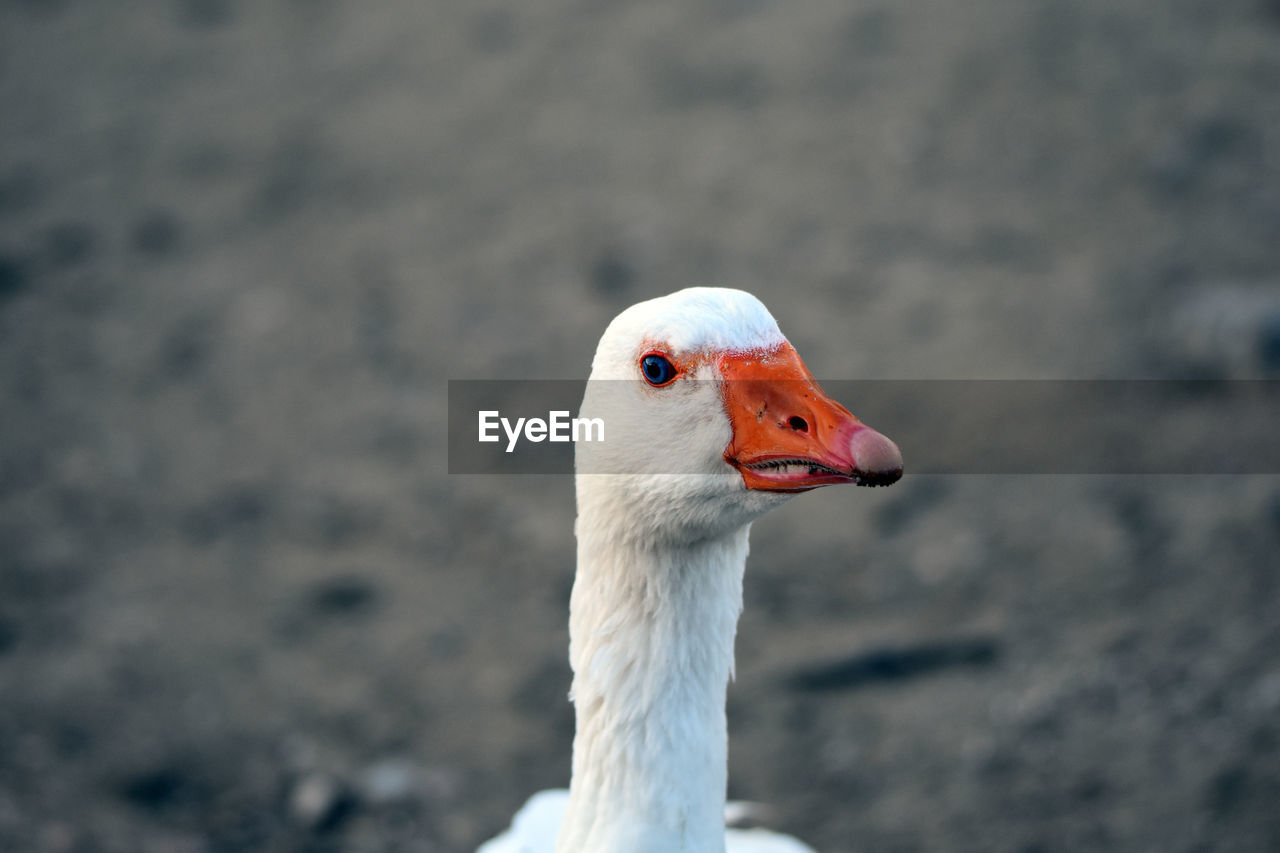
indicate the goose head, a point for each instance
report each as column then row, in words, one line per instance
column 712, row 419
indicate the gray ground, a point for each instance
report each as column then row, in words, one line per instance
column 244, row 244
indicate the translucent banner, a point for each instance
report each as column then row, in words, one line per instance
column 941, row 426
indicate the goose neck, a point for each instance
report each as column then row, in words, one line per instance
column 651, row 644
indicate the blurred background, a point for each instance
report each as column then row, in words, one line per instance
column 244, row 245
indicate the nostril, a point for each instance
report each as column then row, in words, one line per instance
column 798, row 423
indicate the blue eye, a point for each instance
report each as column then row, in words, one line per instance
column 657, row 370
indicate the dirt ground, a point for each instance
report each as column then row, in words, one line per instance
column 244, row 245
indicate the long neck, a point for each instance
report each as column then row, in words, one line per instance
column 651, row 644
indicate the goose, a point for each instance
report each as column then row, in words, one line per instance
column 712, row 419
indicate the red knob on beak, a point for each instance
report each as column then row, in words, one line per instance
column 875, row 457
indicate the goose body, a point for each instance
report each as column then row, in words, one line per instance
column 712, row 420
column 534, row 829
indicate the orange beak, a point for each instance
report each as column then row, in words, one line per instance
column 789, row 436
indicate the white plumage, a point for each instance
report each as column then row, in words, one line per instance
column 534, row 828
column 664, row 510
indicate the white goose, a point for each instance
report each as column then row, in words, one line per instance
column 718, row 422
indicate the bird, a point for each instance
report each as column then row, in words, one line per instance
column 711, row 420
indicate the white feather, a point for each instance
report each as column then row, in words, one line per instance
column 535, row 826
column 662, row 533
